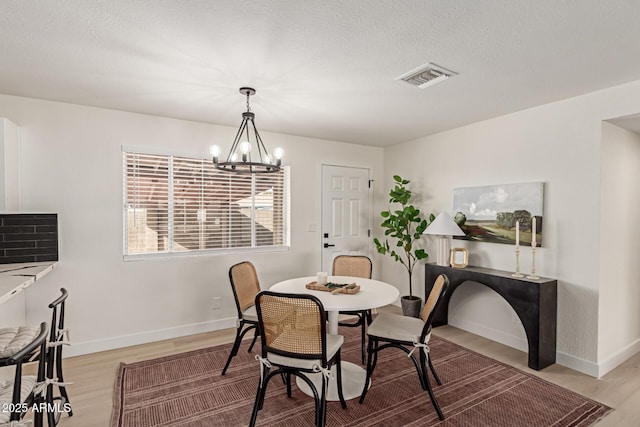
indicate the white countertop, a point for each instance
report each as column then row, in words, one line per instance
column 14, row 278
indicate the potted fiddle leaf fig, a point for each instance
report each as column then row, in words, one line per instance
column 404, row 225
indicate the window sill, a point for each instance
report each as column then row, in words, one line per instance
column 210, row 252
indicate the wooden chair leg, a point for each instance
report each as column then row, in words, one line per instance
column 323, row 404
column 433, row 399
column 343, row 403
column 234, row 350
column 423, row 373
column 363, row 332
column 421, row 369
column 370, row 368
column 257, row 405
column 241, row 331
column 255, row 337
column 63, row 389
column 52, row 419
column 433, row 371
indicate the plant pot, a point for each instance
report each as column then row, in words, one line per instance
column 411, row 306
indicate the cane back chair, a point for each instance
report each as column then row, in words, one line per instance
column 410, row 335
column 295, row 342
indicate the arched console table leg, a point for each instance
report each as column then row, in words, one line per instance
column 534, row 301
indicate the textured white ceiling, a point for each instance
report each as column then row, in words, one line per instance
column 322, row 69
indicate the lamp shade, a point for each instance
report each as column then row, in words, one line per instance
column 444, row 225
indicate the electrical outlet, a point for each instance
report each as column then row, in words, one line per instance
column 216, row 303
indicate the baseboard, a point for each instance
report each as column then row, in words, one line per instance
column 577, row 364
column 572, row 362
column 493, row 334
column 616, row 359
column 87, row 347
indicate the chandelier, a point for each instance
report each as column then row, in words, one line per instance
column 240, row 158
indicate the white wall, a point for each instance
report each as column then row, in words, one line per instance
column 116, row 303
column 9, row 167
column 558, row 144
column 619, row 325
column 72, row 165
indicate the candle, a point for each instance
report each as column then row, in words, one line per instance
column 517, row 233
column 322, row 278
column 533, row 231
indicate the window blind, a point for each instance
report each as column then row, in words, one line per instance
column 181, row 204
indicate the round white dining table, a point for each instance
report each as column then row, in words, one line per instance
column 372, row 294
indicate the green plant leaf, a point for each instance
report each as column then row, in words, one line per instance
column 421, row 254
column 403, row 224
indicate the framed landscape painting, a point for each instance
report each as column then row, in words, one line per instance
column 489, row 213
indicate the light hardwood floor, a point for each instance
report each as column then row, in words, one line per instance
column 93, row 375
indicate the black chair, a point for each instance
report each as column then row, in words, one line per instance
column 245, row 286
column 26, row 391
column 410, row 335
column 295, row 342
column 14, row 338
column 58, row 338
column 356, row 266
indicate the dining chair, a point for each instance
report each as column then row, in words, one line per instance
column 25, row 392
column 356, row 266
column 245, row 287
column 295, row 341
column 410, row 335
column 13, row 338
column 58, row 338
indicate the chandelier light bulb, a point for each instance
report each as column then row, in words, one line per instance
column 234, row 157
column 245, row 147
column 278, row 152
column 215, row 151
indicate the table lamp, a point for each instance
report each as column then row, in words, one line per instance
column 444, row 227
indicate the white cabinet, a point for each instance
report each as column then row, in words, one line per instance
column 9, row 167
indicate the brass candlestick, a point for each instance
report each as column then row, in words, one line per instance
column 517, row 273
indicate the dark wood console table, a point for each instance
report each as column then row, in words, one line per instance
column 534, row 301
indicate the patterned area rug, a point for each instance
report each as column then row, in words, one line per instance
column 187, row 390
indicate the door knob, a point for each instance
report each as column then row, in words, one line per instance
column 326, row 245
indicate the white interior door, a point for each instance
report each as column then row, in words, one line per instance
column 345, row 213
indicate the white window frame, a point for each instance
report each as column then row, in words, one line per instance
column 286, row 228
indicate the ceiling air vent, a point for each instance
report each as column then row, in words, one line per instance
column 426, row 75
